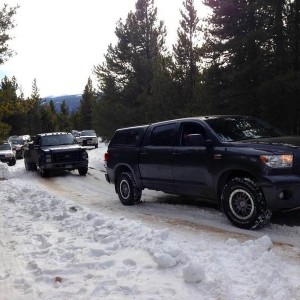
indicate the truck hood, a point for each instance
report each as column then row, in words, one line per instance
column 280, row 142
column 61, row 147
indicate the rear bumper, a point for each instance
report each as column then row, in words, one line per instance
column 88, row 142
column 282, row 192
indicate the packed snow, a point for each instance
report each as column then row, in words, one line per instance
column 53, row 247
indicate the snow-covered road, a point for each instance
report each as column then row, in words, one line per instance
column 68, row 236
column 159, row 209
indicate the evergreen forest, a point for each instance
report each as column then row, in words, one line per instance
column 243, row 58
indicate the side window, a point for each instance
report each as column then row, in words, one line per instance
column 129, row 137
column 119, row 138
column 162, row 135
column 133, row 137
column 191, row 128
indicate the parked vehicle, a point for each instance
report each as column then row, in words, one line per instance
column 88, row 138
column 242, row 163
column 7, row 155
column 75, row 133
column 18, row 145
column 55, row 151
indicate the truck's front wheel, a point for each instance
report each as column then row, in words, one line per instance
column 12, row 162
column 43, row 172
column 29, row 166
column 244, row 204
column 127, row 189
column 82, row 171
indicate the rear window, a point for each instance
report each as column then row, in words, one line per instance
column 129, row 137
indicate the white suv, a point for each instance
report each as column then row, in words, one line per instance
column 88, row 138
column 7, row 155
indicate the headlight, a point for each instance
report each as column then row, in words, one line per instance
column 278, row 161
column 85, row 155
column 9, row 155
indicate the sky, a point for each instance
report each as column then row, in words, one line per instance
column 59, row 41
column 69, row 237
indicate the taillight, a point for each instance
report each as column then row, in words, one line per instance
column 106, row 156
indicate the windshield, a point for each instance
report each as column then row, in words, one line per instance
column 56, row 140
column 16, row 141
column 231, row 129
column 88, row 133
column 5, row 147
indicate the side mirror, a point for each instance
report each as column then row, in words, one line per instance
column 197, row 140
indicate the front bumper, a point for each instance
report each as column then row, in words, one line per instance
column 6, row 159
column 69, row 166
column 282, row 192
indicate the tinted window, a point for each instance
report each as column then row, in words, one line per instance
column 130, row 137
column 162, row 135
column 16, row 141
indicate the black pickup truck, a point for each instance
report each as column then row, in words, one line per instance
column 242, row 163
column 55, row 151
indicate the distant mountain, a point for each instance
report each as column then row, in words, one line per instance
column 72, row 101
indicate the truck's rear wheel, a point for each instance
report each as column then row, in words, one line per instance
column 127, row 189
column 244, row 204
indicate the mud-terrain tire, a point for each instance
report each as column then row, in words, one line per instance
column 244, row 205
column 12, row 162
column 29, row 166
column 43, row 172
column 127, row 189
column 82, row 171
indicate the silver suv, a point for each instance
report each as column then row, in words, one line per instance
column 7, row 155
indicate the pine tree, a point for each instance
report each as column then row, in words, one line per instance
column 12, row 106
column 48, row 115
column 64, row 123
column 126, row 77
column 86, row 106
column 33, row 116
column 6, row 24
column 186, row 53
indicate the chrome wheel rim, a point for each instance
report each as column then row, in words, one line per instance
column 241, row 204
column 124, row 189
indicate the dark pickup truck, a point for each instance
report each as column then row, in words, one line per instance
column 55, row 151
column 242, row 163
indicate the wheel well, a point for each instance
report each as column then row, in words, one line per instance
column 120, row 170
column 227, row 176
